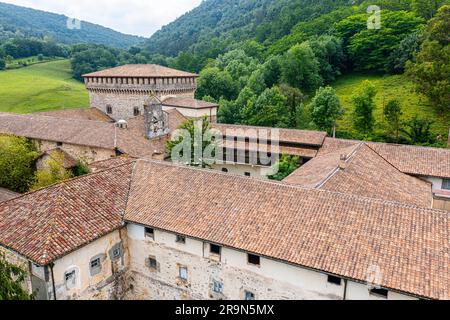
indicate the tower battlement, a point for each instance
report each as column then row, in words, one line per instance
column 122, row 92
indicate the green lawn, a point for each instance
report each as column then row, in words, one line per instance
column 389, row 87
column 41, row 87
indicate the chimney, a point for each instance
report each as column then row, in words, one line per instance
column 122, row 124
column 158, row 155
column 343, row 162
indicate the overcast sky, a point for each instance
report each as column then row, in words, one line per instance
column 138, row 17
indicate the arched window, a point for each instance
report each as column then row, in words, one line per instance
column 109, row 109
column 136, row 111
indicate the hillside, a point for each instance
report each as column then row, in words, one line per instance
column 41, row 87
column 224, row 22
column 15, row 20
column 389, row 87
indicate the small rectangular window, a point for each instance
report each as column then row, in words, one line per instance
column 181, row 239
column 109, row 110
column 446, row 184
column 248, row 174
column 153, row 264
column 95, row 263
column 252, row 259
column 383, row 293
column 183, row 273
column 214, row 249
column 136, row 111
column 150, row 232
column 249, row 296
column 116, row 253
column 59, row 144
column 217, row 287
column 334, row 280
column 95, row 266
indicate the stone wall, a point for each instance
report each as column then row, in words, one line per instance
column 85, row 153
column 124, row 102
column 271, row 280
column 110, row 283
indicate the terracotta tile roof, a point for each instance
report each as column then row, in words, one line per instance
column 50, row 223
column 110, row 163
column 83, row 114
column 263, row 147
column 333, row 232
column 190, row 103
column 141, row 71
column 310, row 138
column 317, row 170
column 6, row 195
column 131, row 141
column 421, row 161
column 366, row 174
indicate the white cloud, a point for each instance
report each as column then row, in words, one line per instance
column 139, row 17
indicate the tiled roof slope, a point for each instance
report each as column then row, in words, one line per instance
column 83, row 114
column 421, row 161
column 190, row 103
column 6, row 195
column 316, row 171
column 88, row 133
column 110, row 163
column 50, row 223
column 140, row 71
column 333, row 232
column 312, row 138
column 366, row 174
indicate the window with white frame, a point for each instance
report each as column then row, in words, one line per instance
column 70, row 278
column 183, row 272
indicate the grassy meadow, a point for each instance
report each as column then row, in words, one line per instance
column 41, row 87
column 389, row 87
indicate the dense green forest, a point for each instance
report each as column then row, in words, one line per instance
column 22, row 22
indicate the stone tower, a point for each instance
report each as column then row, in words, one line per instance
column 122, row 92
column 156, row 121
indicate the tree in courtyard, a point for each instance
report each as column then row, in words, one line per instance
column 194, row 143
column 363, row 102
column 392, row 114
column 326, row 109
column 284, row 167
column 53, row 172
column 12, row 278
column 17, row 156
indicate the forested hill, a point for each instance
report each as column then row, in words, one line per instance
column 216, row 23
column 19, row 21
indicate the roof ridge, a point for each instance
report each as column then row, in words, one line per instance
column 39, row 115
column 296, row 187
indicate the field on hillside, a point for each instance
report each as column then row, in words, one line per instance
column 389, row 87
column 41, row 87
